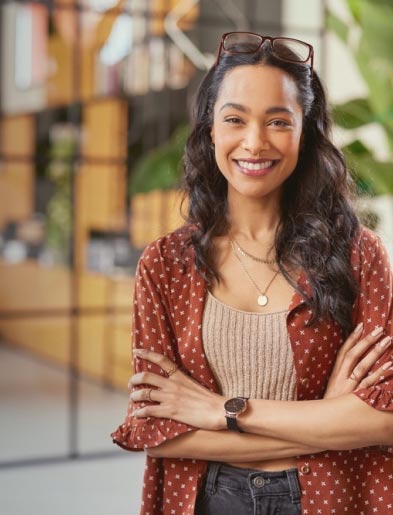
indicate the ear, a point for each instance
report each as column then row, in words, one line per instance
column 212, row 134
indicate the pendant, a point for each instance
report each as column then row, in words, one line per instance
column 262, row 300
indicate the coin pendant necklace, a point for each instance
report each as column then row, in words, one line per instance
column 262, row 299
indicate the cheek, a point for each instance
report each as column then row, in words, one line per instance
column 224, row 140
column 289, row 144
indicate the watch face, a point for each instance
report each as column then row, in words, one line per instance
column 235, row 405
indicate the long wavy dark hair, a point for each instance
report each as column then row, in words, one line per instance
column 317, row 222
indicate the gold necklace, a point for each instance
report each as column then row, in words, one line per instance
column 262, row 299
column 254, row 258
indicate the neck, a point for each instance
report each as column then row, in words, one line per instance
column 252, row 219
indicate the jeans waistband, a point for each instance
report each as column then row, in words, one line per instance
column 255, row 481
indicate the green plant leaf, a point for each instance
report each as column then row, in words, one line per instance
column 161, row 167
column 356, row 148
column 374, row 55
column 353, row 114
column 355, row 7
column 377, row 175
column 337, row 26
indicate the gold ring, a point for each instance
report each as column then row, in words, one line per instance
column 172, row 370
column 149, row 395
column 353, row 377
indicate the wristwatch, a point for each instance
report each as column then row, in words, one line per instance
column 233, row 408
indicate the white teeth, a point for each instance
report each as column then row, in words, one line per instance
column 255, row 166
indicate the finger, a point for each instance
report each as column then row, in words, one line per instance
column 352, row 339
column 357, row 351
column 153, row 410
column 148, row 378
column 376, row 376
column 154, row 357
column 371, row 358
column 147, row 395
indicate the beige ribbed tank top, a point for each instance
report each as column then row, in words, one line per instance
column 249, row 353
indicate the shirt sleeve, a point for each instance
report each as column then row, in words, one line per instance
column 151, row 330
column 375, row 309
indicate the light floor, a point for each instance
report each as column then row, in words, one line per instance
column 33, row 423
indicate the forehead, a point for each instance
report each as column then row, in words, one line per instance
column 258, row 84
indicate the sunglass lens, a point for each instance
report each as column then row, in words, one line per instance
column 291, row 50
column 242, row 42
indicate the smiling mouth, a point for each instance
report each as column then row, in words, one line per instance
column 261, row 165
column 256, row 167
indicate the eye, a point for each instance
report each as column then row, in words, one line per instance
column 280, row 123
column 233, row 120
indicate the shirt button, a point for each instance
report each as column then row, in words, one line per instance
column 305, row 469
column 259, row 482
column 305, row 381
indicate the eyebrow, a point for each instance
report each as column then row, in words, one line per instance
column 245, row 109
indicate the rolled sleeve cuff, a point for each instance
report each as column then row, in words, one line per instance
column 140, row 435
column 376, row 397
column 380, row 399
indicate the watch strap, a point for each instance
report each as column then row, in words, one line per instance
column 232, row 424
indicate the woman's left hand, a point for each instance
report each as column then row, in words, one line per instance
column 179, row 397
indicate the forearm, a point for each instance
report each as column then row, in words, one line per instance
column 341, row 423
column 229, row 447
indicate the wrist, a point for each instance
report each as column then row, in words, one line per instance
column 247, row 420
column 234, row 408
column 219, row 413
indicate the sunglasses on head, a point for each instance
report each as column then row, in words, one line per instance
column 287, row 49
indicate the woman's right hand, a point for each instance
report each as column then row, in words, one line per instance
column 352, row 366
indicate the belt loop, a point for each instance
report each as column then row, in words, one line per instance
column 294, row 486
column 214, row 467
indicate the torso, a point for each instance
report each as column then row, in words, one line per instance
column 235, row 289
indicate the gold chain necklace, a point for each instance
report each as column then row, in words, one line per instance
column 254, row 258
column 262, row 299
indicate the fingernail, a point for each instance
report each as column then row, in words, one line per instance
column 359, row 328
column 387, row 365
column 138, row 351
column 385, row 341
column 377, row 331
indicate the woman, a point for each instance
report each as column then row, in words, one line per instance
column 262, row 328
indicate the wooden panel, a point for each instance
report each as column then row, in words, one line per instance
column 104, row 339
column 100, row 203
column 16, row 192
column 60, row 54
column 154, row 214
column 29, row 285
column 172, row 215
column 160, row 8
column 92, row 331
column 122, row 291
column 17, row 134
column 119, row 354
column 46, row 337
column 147, row 222
column 105, row 129
column 93, row 290
column 101, row 197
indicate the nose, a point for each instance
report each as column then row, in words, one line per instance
column 255, row 141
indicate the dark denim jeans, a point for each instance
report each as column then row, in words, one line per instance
column 231, row 490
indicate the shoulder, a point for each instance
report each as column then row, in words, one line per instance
column 366, row 244
column 368, row 253
column 171, row 249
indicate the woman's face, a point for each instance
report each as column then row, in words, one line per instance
column 256, row 130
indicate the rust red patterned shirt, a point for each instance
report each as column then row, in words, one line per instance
column 168, row 308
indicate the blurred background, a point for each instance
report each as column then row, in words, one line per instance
column 95, row 98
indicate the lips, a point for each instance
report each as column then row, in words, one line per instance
column 256, row 167
column 261, row 165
